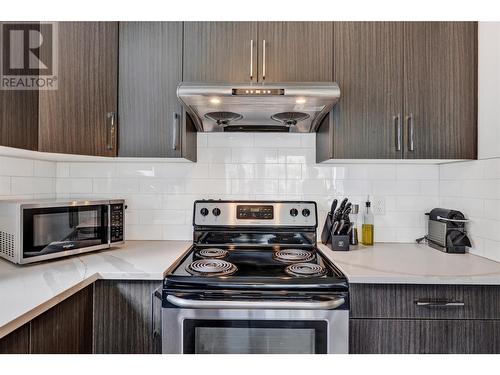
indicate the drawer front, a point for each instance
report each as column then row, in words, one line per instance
column 424, row 301
column 388, row 336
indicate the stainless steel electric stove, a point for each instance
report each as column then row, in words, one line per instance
column 254, row 282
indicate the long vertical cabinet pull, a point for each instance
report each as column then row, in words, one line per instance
column 264, row 59
column 111, row 130
column 251, row 60
column 176, row 131
column 397, row 128
column 409, row 124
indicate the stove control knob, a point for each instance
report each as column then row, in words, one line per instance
column 294, row 212
column 204, row 211
column 306, row 212
column 216, row 211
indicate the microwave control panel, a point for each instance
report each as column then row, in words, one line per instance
column 116, row 212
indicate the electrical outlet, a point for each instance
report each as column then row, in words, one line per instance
column 378, row 204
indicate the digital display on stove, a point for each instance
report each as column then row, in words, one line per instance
column 254, row 212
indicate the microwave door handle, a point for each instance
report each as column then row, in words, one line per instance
column 282, row 305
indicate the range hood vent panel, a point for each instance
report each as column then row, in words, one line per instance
column 264, row 107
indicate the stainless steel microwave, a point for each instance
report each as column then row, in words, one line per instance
column 35, row 230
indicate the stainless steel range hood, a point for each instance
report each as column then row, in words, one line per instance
column 283, row 107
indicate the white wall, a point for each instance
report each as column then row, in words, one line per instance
column 489, row 89
column 252, row 166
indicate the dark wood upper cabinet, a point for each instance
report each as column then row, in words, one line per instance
column 150, row 68
column 408, row 90
column 295, row 51
column 19, row 119
column 368, row 66
column 80, row 116
column 220, row 51
column 440, row 99
column 18, row 115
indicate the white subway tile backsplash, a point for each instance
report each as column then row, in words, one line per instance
column 44, row 168
column 254, row 155
column 162, row 185
column 316, row 171
column 16, row 166
column 74, row 185
column 4, row 185
column 162, row 217
column 143, row 201
column 230, row 140
column 177, row 232
column 294, row 171
column 160, row 194
column 92, row 170
column 231, row 171
column 297, row 155
column 473, row 187
column 254, row 186
column 491, row 168
column 417, row 172
column 141, row 232
column 308, row 140
column 214, row 155
column 202, row 139
column 33, row 185
column 277, row 140
column 492, row 210
column 208, row 186
column 270, row 171
column 115, row 185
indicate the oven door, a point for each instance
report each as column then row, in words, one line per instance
column 49, row 232
column 247, row 328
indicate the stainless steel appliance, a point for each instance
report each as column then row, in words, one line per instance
column 254, row 282
column 446, row 231
column 277, row 107
column 35, row 230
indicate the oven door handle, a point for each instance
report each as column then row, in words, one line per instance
column 272, row 305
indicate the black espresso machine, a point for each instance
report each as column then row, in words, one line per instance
column 446, row 231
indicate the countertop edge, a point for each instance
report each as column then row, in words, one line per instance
column 45, row 306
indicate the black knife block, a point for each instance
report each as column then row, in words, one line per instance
column 339, row 243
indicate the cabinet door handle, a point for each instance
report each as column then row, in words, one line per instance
column 176, row 130
column 264, row 59
column 111, row 130
column 439, row 303
column 409, row 122
column 397, row 126
column 251, row 59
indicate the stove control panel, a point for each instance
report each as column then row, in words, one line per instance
column 258, row 213
column 252, row 212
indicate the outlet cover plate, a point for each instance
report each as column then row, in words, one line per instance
column 378, row 204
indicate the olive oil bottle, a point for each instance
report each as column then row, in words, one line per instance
column 367, row 228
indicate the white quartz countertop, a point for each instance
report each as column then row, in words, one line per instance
column 391, row 263
column 29, row 290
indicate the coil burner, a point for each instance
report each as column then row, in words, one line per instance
column 212, row 253
column 294, row 255
column 305, row 270
column 211, row 267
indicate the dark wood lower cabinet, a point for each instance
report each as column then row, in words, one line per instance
column 17, row 342
column 391, row 336
column 66, row 328
column 123, row 317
